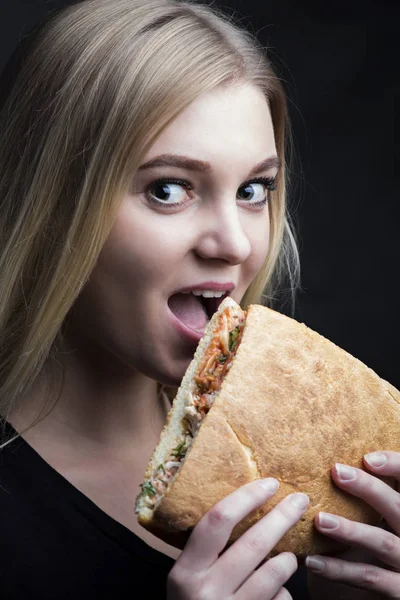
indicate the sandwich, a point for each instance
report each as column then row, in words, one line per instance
column 266, row 396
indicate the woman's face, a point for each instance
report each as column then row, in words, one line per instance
column 196, row 218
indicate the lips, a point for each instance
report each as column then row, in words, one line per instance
column 208, row 285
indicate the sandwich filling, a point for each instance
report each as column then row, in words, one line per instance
column 216, row 362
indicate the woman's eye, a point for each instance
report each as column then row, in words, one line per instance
column 165, row 192
column 173, row 193
column 252, row 192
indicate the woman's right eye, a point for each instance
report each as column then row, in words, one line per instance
column 168, row 192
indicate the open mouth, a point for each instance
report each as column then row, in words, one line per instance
column 194, row 311
column 211, row 305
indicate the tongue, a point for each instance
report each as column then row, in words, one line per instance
column 189, row 310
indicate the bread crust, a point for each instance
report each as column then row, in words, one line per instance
column 291, row 406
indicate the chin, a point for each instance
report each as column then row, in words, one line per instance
column 171, row 375
column 170, row 379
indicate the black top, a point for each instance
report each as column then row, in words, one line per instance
column 56, row 544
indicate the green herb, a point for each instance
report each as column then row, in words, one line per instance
column 161, row 468
column 180, row 450
column 202, row 386
column 148, row 489
column 233, row 335
column 222, row 358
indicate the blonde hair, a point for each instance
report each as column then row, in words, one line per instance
column 97, row 84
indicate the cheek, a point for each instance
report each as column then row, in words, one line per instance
column 143, row 249
column 259, row 235
column 140, row 247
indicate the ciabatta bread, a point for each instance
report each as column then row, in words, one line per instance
column 291, row 405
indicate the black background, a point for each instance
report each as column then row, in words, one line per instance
column 339, row 62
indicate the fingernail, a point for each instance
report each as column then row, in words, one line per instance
column 376, row 459
column 300, row 500
column 328, row 521
column 315, row 563
column 345, row 473
column 270, row 484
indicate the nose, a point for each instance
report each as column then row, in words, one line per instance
column 222, row 235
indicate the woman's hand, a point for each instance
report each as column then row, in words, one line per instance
column 203, row 573
column 380, row 543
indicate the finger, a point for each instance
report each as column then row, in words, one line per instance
column 268, row 580
column 384, row 463
column 283, row 594
column 251, row 548
column 366, row 577
column 212, row 532
column 372, row 490
column 382, row 544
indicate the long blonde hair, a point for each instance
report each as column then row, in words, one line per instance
column 97, row 84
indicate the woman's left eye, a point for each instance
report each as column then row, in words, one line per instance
column 252, row 192
column 256, row 192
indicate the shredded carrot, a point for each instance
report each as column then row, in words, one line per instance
column 212, row 371
column 210, row 361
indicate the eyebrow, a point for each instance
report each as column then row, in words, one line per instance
column 192, row 164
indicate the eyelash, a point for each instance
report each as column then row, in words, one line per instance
column 268, row 182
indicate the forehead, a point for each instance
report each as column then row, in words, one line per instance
column 226, row 123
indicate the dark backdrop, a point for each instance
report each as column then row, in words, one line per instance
column 340, row 64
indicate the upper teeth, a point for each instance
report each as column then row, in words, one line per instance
column 208, row 293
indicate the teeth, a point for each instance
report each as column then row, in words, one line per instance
column 208, row 293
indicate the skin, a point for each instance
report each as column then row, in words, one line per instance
column 119, row 341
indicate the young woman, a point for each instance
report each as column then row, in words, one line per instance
column 142, row 158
